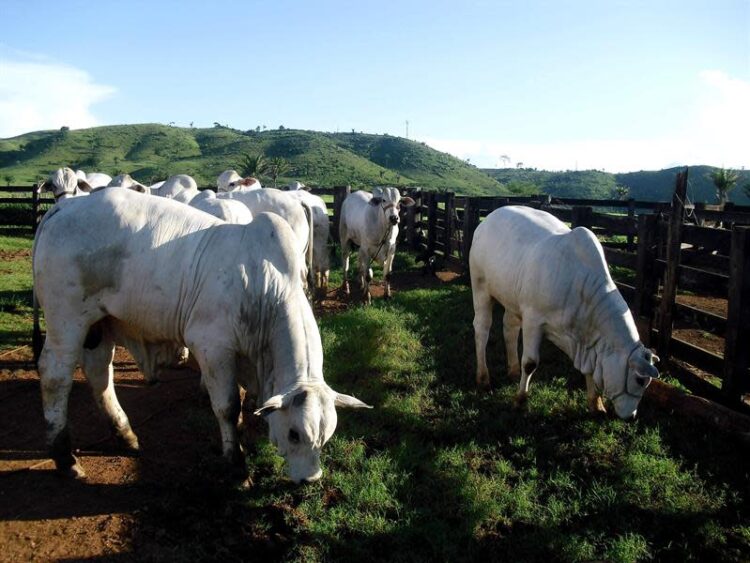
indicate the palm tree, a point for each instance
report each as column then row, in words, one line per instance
column 277, row 166
column 724, row 180
column 253, row 165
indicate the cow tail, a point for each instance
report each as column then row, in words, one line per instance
column 309, row 257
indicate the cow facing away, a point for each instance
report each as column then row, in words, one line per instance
column 161, row 272
column 227, row 210
column 370, row 220
column 321, row 261
column 297, row 213
column 554, row 283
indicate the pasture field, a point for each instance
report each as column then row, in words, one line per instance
column 437, row 471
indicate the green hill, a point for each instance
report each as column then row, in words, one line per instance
column 644, row 185
column 151, row 152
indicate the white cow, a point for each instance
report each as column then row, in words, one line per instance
column 321, row 261
column 64, row 183
column 370, row 220
column 173, row 185
column 226, row 178
column 157, row 271
column 554, row 283
column 127, row 181
column 297, row 213
column 244, row 184
column 98, row 179
column 227, row 210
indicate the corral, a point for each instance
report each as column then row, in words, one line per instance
column 438, row 470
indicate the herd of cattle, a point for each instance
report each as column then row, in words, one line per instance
column 225, row 275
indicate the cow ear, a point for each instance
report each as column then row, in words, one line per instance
column 84, row 186
column 407, row 201
column 376, row 201
column 348, row 402
column 140, row 188
column 45, row 186
column 273, row 404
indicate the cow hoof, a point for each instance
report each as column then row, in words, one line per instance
column 483, row 383
column 520, row 401
column 74, row 471
column 597, row 407
column 128, row 443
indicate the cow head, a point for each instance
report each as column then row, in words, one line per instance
column 127, row 181
column 248, row 183
column 64, row 184
column 390, row 201
column 301, row 420
column 624, row 378
column 295, row 187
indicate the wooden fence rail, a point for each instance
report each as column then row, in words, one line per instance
column 636, row 236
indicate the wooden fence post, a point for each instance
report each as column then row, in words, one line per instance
column 582, row 217
column 339, row 195
column 674, row 239
column 737, row 338
column 471, row 222
column 631, row 216
column 646, row 280
column 34, row 208
column 450, row 206
column 431, row 222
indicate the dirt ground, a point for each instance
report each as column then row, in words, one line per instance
column 108, row 514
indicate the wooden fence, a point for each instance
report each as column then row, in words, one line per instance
column 663, row 245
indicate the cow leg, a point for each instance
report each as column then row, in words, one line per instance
column 511, row 330
column 482, row 324
column 593, row 396
column 365, row 276
column 97, row 366
column 346, row 250
column 218, row 369
column 56, row 367
column 387, row 269
column 532, row 340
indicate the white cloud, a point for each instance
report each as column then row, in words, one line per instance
column 715, row 133
column 46, row 95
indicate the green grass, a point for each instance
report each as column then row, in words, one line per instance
column 15, row 292
column 439, row 471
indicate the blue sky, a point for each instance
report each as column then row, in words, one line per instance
column 615, row 85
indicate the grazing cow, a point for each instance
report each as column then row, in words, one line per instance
column 65, row 184
column 554, row 283
column 321, row 261
column 227, row 210
column 159, row 272
column 371, row 222
column 298, row 214
column 226, row 178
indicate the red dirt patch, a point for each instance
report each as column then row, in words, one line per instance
column 7, row 255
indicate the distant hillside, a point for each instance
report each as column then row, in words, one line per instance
column 645, row 185
column 151, row 152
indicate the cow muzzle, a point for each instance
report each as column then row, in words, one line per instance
column 393, row 219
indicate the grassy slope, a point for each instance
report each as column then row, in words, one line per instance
column 151, row 152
